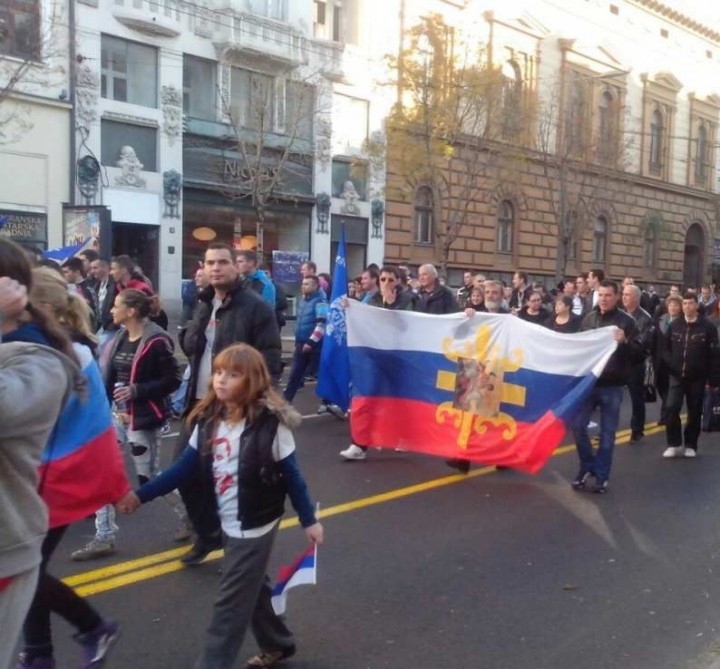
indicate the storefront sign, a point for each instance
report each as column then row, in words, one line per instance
column 24, row 227
column 224, row 171
column 286, row 265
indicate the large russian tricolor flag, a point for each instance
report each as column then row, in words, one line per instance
column 82, row 467
column 492, row 388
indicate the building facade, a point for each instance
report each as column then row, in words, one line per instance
column 240, row 121
column 619, row 169
column 35, row 130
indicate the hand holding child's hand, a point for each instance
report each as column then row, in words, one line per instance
column 128, row 504
column 315, row 534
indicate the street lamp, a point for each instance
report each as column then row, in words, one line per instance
column 322, row 202
column 377, row 210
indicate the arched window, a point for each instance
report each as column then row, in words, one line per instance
column 505, row 226
column 424, row 219
column 657, row 131
column 650, row 246
column 599, row 249
column 701, row 155
column 606, row 129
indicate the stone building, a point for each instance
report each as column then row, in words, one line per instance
column 624, row 110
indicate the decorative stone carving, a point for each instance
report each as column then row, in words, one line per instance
column 172, row 112
column 172, row 190
column 323, row 142
column 87, row 86
column 88, row 177
column 131, row 168
column 351, row 197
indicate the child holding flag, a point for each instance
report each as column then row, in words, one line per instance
column 243, row 445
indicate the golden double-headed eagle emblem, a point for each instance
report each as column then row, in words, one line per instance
column 478, row 386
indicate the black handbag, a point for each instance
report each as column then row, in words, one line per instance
column 650, row 389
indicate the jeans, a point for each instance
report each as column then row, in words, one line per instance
column 636, row 387
column 178, row 397
column 692, row 392
column 300, row 363
column 105, row 527
column 608, row 400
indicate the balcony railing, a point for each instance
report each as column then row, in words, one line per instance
column 151, row 17
column 255, row 35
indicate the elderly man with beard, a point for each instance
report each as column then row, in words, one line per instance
column 227, row 313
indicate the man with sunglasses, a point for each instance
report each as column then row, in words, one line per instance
column 390, row 296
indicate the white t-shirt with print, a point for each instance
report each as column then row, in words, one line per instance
column 226, row 449
column 205, row 368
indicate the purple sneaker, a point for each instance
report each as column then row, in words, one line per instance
column 24, row 662
column 97, row 644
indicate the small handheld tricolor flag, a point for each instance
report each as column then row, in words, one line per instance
column 303, row 571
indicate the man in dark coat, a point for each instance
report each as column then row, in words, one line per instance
column 434, row 298
column 227, row 313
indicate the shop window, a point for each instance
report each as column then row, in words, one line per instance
column 114, row 135
column 199, row 88
column 344, row 171
column 505, row 226
column 424, row 218
column 20, row 29
column 600, row 231
column 129, row 72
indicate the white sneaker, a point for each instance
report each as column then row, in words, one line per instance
column 674, row 452
column 322, row 409
column 690, row 453
column 336, row 411
column 592, row 425
column 353, row 452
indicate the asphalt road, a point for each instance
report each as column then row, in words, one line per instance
column 422, row 569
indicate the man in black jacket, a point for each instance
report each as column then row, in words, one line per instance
column 608, row 391
column 434, row 298
column 227, row 313
column 693, row 357
column 636, row 380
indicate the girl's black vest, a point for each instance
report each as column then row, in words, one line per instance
column 261, row 486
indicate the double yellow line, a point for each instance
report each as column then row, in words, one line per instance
column 158, row 564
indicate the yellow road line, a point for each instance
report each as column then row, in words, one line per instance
column 158, row 564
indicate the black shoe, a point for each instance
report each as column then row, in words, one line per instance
column 199, row 551
column 635, row 437
column 661, row 422
column 463, row 466
column 601, row 486
column 581, row 479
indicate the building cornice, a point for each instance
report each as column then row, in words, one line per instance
column 39, row 100
column 679, row 18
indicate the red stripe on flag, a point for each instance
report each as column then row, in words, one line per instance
column 389, row 422
column 78, row 484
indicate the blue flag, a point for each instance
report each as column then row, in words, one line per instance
column 334, row 378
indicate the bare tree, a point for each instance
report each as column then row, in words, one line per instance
column 30, row 51
column 449, row 130
column 581, row 149
column 271, row 125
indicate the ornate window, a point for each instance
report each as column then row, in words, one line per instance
column 657, row 130
column 607, row 130
column 505, row 226
column 424, row 217
column 599, row 248
column 701, row 156
column 20, row 29
column 511, row 100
